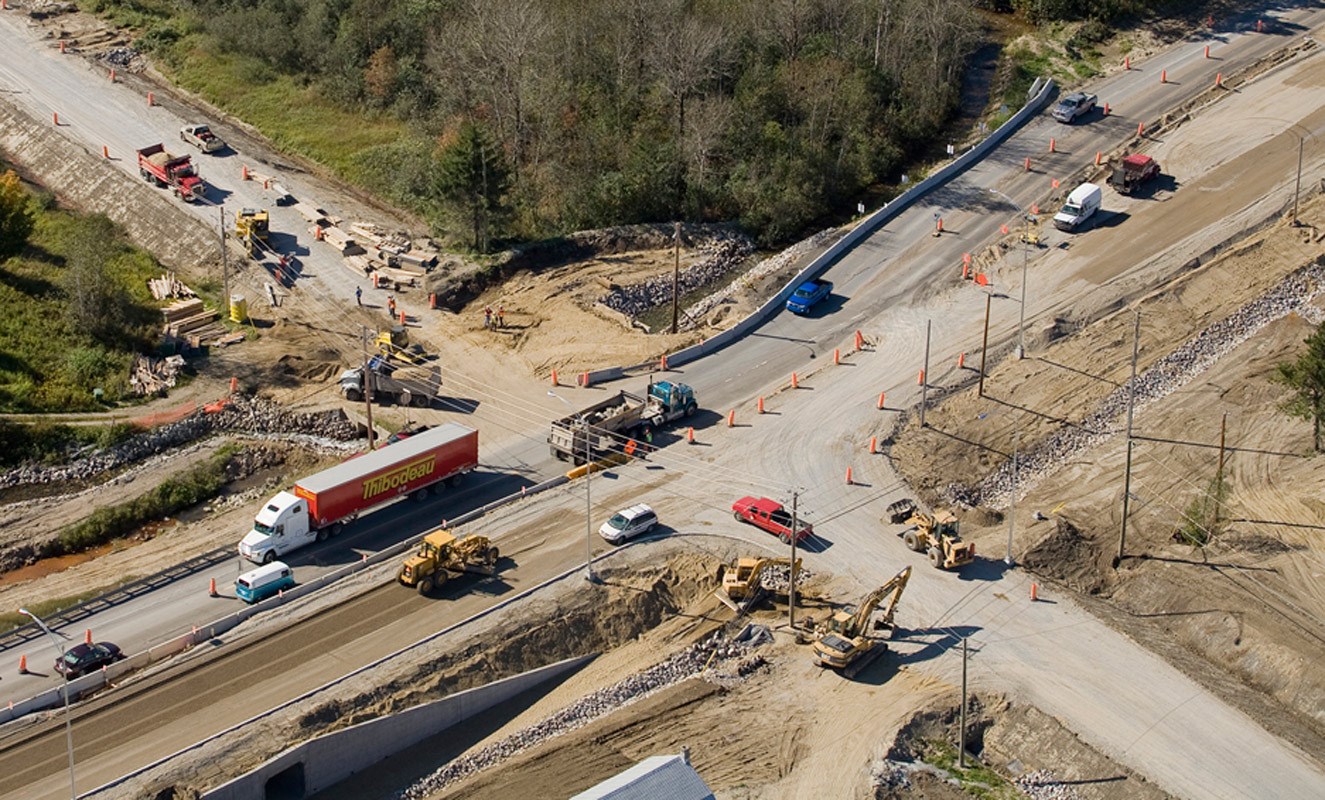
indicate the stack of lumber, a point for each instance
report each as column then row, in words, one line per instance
column 168, row 286
column 184, row 316
column 342, row 241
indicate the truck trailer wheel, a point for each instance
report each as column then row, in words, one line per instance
column 456, row 479
column 420, row 494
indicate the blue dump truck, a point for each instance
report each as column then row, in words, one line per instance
column 807, row 295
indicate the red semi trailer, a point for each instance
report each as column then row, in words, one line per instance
column 177, row 172
column 320, row 504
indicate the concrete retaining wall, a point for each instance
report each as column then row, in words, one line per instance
column 332, row 758
column 864, row 229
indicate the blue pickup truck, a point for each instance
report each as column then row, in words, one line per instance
column 807, row 295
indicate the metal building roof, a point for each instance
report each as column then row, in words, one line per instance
column 655, row 778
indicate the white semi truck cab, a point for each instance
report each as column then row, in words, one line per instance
column 281, row 526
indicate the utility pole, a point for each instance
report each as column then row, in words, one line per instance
column 225, row 271
column 961, row 738
column 984, row 346
column 588, row 506
column 676, row 278
column 1219, row 475
column 1127, row 474
column 367, row 386
column 791, row 592
column 1012, row 506
column 1297, row 188
column 1021, row 327
column 924, row 375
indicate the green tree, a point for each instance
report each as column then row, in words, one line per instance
column 472, row 178
column 1306, row 377
column 98, row 304
column 16, row 218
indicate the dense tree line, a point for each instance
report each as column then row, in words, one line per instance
column 775, row 112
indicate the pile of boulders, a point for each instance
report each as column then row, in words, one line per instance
column 735, row 659
column 764, row 268
column 777, row 579
column 245, row 413
column 1042, row 785
column 1170, row 373
column 719, row 256
column 120, row 56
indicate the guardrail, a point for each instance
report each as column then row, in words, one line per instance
column 865, row 228
column 96, row 680
column 26, row 633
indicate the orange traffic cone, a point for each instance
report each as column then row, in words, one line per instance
column 1163, row 76
column 211, row 588
column 761, row 405
column 961, row 361
column 920, row 381
column 860, row 341
column 1098, row 155
column 1028, row 163
column 662, row 363
column 849, row 481
column 1035, row 592
column 731, row 418
column 554, row 377
column 1140, row 129
column 1052, row 145
column 690, row 435
column 23, row 665
column 880, row 401
column 795, row 384
column 874, row 445
column 151, row 99
column 87, row 636
column 837, row 355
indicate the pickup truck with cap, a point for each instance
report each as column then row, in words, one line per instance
column 1074, row 106
column 807, row 295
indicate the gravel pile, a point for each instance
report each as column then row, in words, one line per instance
column 734, row 657
column 1042, row 785
column 764, row 268
column 244, row 413
column 888, row 774
column 778, row 579
column 1167, row 375
column 719, row 256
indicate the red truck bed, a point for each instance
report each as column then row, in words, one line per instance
column 396, row 469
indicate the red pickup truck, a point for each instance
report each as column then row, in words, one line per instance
column 770, row 515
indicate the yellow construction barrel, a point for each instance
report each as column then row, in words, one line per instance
column 238, row 308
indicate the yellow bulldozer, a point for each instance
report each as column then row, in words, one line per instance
column 742, row 580
column 251, row 228
column 935, row 535
column 442, row 553
column 843, row 642
column 395, row 345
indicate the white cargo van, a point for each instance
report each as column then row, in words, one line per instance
column 263, row 582
column 1081, row 204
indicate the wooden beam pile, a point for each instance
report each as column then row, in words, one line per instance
column 168, row 286
column 183, row 316
column 154, row 375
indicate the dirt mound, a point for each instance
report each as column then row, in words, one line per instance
column 315, row 367
column 1071, row 557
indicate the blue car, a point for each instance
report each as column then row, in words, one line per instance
column 809, row 293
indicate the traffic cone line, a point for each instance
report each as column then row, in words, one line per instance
column 731, row 418
column 881, row 401
column 211, row 588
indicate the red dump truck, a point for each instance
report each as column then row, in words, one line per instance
column 176, row 172
column 319, row 505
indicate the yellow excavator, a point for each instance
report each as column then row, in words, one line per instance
column 395, row 345
column 251, row 228
column 843, row 641
column 937, row 536
column 441, row 553
column 742, row 580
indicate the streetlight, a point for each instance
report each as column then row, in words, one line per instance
column 68, row 725
column 588, row 502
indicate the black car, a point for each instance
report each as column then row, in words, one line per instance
column 85, row 658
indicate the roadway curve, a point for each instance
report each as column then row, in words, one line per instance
column 1060, row 657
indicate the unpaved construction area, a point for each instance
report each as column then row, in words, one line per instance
column 1242, row 612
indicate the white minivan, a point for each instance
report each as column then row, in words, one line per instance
column 628, row 523
column 263, row 582
column 1081, row 204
